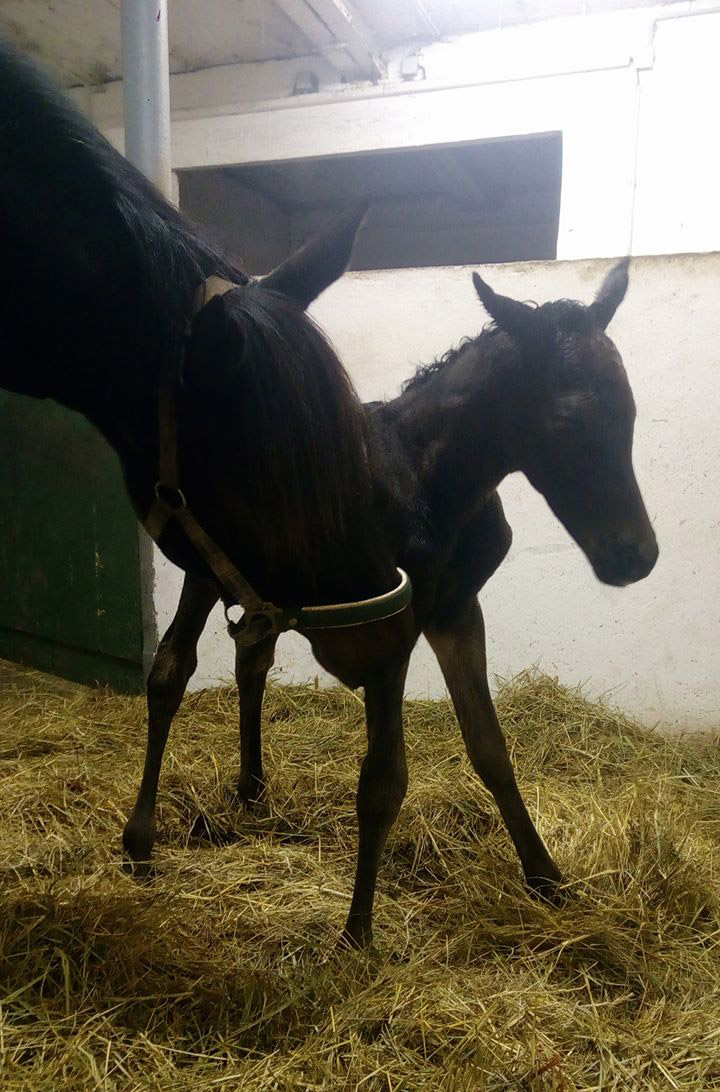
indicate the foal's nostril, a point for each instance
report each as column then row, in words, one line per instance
column 637, row 559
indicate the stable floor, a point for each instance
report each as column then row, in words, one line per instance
column 221, row 972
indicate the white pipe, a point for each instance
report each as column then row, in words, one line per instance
column 146, row 99
column 146, row 89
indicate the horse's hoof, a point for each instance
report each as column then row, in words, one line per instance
column 356, row 936
column 140, row 871
column 549, row 888
column 138, row 844
column 250, row 791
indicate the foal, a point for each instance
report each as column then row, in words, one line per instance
column 543, row 391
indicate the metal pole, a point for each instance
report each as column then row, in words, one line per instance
column 146, row 94
column 146, row 89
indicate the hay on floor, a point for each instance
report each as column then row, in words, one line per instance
column 221, row 972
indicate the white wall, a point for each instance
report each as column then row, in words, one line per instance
column 652, row 647
column 678, row 166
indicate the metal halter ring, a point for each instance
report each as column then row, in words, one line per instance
column 170, row 496
column 255, row 625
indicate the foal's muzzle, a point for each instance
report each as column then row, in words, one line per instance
column 626, row 561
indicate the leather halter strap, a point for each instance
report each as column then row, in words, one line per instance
column 169, row 499
column 261, row 619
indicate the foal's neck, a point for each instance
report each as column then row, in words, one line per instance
column 459, row 419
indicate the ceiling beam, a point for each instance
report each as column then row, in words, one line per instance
column 333, row 25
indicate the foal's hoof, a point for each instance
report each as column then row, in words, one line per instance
column 138, row 870
column 250, row 791
column 137, row 844
column 357, row 936
column 548, row 888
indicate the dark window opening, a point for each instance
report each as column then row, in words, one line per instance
column 491, row 201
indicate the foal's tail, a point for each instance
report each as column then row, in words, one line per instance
column 297, row 428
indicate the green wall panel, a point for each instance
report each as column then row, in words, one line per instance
column 70, row 596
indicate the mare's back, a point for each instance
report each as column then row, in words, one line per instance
column 91, row 254
column 62, row 246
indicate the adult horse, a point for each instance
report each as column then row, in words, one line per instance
column 543, row 391
column 240, row 437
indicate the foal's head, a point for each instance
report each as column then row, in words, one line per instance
column 575, row 424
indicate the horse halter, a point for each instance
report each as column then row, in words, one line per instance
column 260, row 618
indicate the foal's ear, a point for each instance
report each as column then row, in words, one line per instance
column 611, row 294
column 321, row 261
column 515, row 318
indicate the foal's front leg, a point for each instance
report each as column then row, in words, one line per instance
column 251, row 668
column 381, row 790
column 460, row 650
column 174, row 663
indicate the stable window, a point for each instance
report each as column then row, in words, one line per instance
column 490, row 201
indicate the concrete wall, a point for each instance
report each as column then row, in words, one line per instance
column 652, row 648
column 677, row 177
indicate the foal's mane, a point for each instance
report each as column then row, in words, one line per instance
column 426, row 372
column 562, row 317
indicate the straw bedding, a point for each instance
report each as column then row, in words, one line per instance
column 221, row 972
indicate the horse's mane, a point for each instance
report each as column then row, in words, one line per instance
column 41, row 131
column 426, row 371
column 564, row 317
column 289, row 405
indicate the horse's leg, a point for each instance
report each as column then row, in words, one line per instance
column 460, row 650
column 381, row 790
column 174, row 663
column 251, row 668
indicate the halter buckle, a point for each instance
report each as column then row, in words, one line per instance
column 256, row 625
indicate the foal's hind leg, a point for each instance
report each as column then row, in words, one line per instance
column 460, row 650
column 174, row 663
column 381, row 790
column 251, row 668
